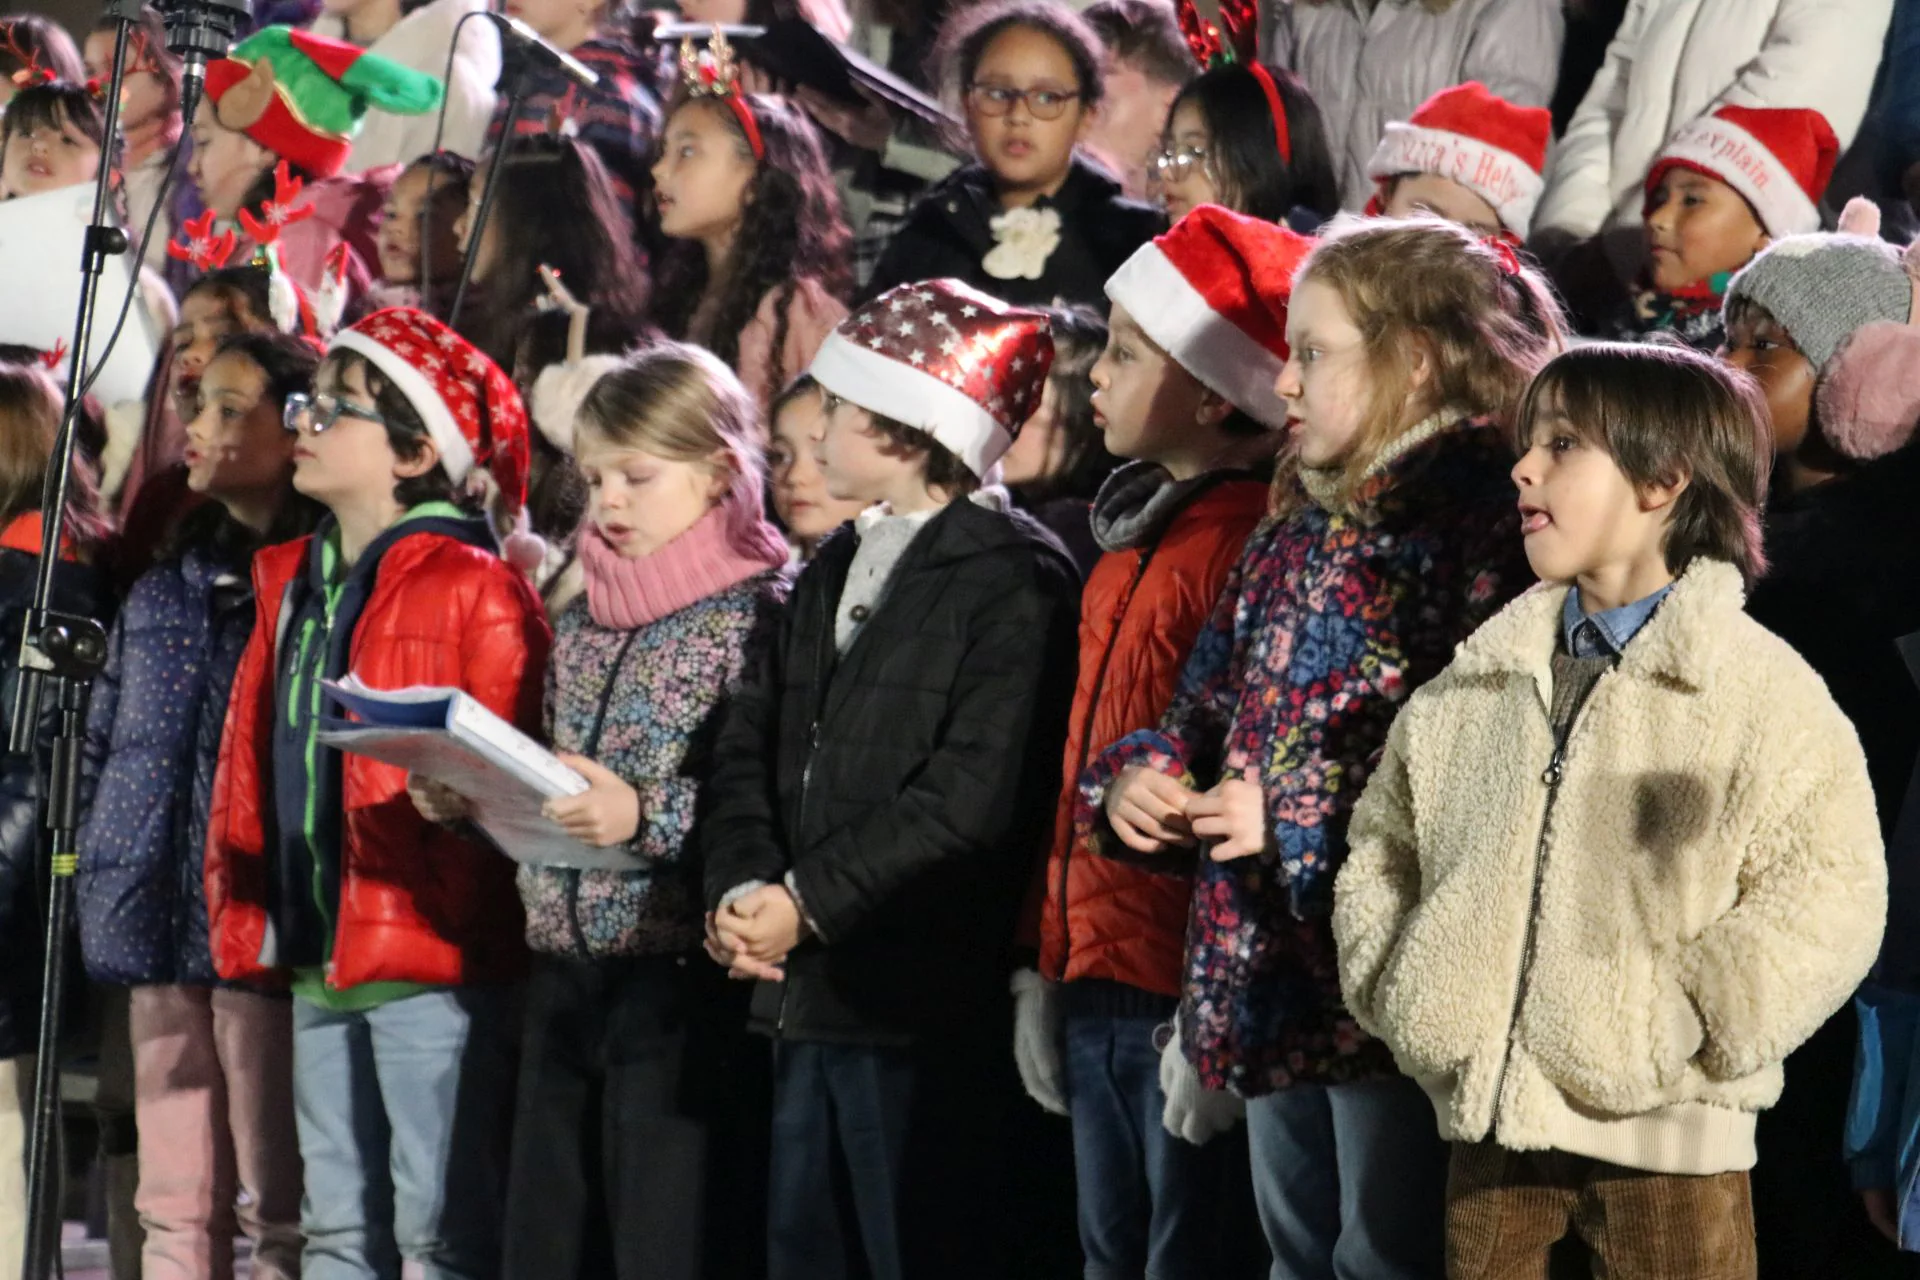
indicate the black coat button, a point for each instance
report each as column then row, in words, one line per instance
column 859, row 613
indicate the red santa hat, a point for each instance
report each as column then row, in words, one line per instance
column 1779, row 158
column 1212, row 292
column 943, row 358
column 470, row 407
column 1470, row 135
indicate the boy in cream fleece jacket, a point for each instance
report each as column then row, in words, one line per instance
column 1621, row 856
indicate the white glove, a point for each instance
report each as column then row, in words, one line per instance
column 1194, row 1112
column 1037, row 1047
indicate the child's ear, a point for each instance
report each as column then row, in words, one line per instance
column 1213, row 409
column 724, row 465
column 422, row 462
column 1420, row 371
column 1662, row 494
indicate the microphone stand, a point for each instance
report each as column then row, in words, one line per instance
column 521, row 74
column 61, row 653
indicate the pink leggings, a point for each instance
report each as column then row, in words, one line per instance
column 213, row 1086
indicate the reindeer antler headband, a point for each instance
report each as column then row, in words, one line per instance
column 31, row 72
column 713, row 72
column 1233, row 41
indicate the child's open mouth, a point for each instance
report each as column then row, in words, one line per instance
column 1533, row 519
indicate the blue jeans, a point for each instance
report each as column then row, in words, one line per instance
column 1351, row 1181
column 893, row 1154
column 403, row 1114
column 1150, row 1204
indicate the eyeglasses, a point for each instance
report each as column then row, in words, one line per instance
column 1177, row 164
column 317, row 413
column 1042, row 104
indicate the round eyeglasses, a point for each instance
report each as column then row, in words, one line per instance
column 999, row 100
column 1176, row 164
column 315, row 414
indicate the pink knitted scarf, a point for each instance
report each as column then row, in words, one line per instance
column 726, row 547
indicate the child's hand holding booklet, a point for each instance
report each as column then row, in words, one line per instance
column 447, row 738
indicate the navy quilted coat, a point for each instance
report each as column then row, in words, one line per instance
column 153, row 742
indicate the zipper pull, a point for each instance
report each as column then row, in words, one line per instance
column 1554, row 770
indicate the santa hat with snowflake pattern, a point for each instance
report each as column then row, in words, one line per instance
column 1212, row 292
column 1779, row 159
column 943, row 358
column 470, row 407
column 1470, row 135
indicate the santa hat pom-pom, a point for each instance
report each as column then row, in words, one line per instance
column 1861, row 217
column 559, row 392
column 524, row 549
column 1869, row 397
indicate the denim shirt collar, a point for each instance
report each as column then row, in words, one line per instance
column 1603, row 634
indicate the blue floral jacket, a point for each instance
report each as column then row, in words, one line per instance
column 1329, row 622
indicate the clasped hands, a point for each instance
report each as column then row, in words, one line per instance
column 751, row 936
column 1153, row 813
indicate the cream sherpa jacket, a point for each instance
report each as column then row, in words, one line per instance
column 1614, row 965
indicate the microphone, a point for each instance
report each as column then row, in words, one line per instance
column 201, row 30
column 540, row 51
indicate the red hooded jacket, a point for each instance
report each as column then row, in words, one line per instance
column 417, row 902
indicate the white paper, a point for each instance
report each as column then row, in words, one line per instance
column 505, row 805
column 449, row 736
column 41, row 238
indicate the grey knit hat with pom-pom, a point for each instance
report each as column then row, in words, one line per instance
column 1824, row 287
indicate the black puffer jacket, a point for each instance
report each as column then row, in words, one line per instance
column 77, row 589
column 950, row 231
column 908, row 785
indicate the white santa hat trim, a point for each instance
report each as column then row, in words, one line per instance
column 1496, row 175
column 456, row 454
column 1728, row 152
column 1199, row 339
column 883, row 385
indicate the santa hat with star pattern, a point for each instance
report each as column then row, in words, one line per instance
column 470, row 407
column 943, row 358
column 1779, row 159
column 1212, row 292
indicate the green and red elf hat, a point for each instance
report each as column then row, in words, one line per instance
column 302, row 96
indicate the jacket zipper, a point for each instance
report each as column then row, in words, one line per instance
column 806, row 778
column 1551, row 777
column 1086, row 746
column 308, row 684
column 580, row 949
column 590, row 747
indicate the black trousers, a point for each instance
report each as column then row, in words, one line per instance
column 639, row 1150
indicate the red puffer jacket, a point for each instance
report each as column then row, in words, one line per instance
column 417, row 903
column 1139, row 615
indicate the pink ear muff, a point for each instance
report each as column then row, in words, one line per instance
column 1869, row 395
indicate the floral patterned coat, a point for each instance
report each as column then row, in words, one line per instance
column 1328, row 623
column 646, row 704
